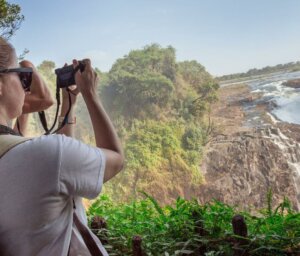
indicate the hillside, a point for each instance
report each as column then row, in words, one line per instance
column 159, row 107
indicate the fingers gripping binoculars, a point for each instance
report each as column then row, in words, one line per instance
column 66, row 75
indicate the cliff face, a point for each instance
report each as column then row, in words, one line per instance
column 241, row 165
column 239, row 169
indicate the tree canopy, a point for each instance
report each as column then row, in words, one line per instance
column 149, row 83
column 10, row 18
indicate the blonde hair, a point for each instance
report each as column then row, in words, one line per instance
column 6, row 53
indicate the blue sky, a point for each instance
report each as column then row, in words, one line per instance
column 226, row 36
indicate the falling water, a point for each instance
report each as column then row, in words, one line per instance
column 291, row 150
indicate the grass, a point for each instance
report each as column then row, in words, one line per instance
column 188, row 228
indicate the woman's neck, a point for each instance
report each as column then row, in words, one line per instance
column 3, row 118
column 5, row 122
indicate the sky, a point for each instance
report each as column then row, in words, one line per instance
column 225, row 36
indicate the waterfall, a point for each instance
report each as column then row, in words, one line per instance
column 291, row 150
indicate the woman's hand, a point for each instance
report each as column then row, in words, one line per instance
column 39, row 98
column 87, row 80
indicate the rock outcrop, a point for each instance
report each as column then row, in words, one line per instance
column 294, row 83
column 240, row 169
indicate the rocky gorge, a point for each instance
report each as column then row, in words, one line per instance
column 250, row 153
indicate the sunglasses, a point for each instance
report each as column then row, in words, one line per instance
column 25, row 75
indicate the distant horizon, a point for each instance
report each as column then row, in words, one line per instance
column 226, row 37
column 258, row 68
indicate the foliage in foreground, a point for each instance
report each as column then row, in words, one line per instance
column 174, row 230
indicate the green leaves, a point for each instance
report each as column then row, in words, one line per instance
column 141, row 80
column 193, row 138
column 156, row 162
column 174, row 229
column 155, row 203
column 10, row 18
column 150, row 84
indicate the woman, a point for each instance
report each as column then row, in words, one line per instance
column 39, row 178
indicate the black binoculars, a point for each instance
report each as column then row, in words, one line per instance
column 66, row 75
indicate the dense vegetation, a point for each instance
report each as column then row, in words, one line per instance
column 288, row 67
column 188, row 228
column 159, row 107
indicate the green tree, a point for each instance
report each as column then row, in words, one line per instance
column 46, row 69
column 141, row 84
column 200, row 80
column 196, row 90
column 149, row 84
column 10, row 18
column 192, row 139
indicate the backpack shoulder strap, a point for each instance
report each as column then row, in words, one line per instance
column 86, row 236
column 9, row 141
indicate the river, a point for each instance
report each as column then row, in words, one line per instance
column 286, row 100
